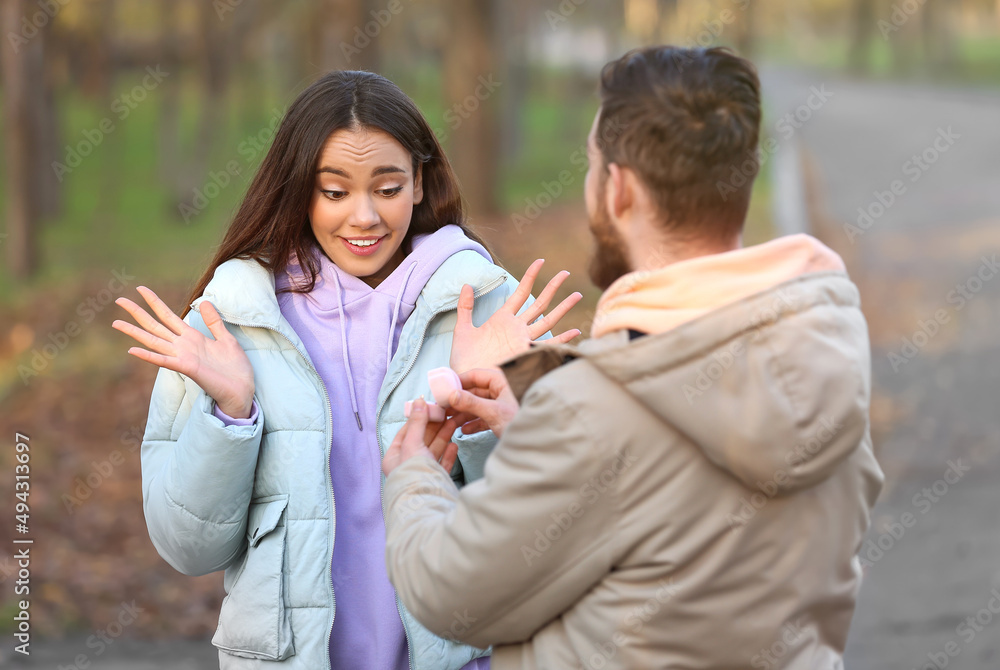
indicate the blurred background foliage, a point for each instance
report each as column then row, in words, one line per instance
column 132, row 128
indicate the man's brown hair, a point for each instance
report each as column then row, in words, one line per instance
column 687, row 122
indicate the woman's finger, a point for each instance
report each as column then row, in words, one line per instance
column 523, row 290
column 413, row 441
column 442, row 434
column 466, row 301
column 211, row 317
column 449, row 456
column 162, row 310
column 475, row 426
column 143, row 318
column 168, row 362
column 541, row 303
column 549, row 321
column 563, row 338
column 148, row 339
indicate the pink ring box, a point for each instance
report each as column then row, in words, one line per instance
column 443, row 382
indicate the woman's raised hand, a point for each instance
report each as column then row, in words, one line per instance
column 219, row 366
column 507, row 333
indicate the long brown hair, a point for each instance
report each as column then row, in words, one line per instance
column 273, row 219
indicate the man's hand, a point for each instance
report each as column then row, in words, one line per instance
column 419, row 437
column 485, row 403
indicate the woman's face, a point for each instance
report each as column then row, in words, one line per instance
column 363, row 202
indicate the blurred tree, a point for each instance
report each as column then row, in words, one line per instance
column 169, row 126
column 341, row 34
column 938, row 40
column 862, row 29
column 470, row 81
column 513, row 25
column 747, row 27
column 23, row 59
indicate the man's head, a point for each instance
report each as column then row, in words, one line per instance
column 673, row 156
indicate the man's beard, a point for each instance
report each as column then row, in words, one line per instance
column 610, row 258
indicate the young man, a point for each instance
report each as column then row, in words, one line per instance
column 689, row 488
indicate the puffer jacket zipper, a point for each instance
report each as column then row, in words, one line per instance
column 378, row 433
column 329, row 440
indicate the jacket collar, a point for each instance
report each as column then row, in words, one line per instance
column 242, row 290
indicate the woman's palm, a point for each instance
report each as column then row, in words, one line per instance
column 507, row 333
column 219, row 366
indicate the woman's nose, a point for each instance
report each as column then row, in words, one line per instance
column 365, row 214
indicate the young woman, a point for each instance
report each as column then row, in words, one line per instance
column 346, row 275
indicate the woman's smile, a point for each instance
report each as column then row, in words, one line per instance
column 363, row 246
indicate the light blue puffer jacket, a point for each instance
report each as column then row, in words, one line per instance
column 257, row 500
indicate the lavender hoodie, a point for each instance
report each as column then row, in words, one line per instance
column 350, row 331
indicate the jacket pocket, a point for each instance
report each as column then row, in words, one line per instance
column 254, row 621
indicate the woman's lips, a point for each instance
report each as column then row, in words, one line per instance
column 363, row 251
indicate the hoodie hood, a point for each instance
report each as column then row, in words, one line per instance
column 367, row 319
column 773, row 387
column 658, row 300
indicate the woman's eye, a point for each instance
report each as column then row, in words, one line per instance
column 335, row 195
column 389, row 192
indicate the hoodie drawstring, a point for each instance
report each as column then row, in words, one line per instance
column 343, row 350
column 343, row 335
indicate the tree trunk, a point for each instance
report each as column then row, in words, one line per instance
column 861, row 34
column 470, row 81
column 937, row 36
column 345, row 44
column 170, row 109
column 19, row 143
column 746, row 37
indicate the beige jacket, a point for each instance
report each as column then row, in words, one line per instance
column 694, row 498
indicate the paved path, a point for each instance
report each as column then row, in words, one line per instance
column 937, row 406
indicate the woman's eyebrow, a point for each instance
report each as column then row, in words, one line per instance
column 387, row 169
column 336, row 171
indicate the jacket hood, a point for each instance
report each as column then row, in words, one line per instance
column 243, row 290
column 654, row 301
column 774, row 387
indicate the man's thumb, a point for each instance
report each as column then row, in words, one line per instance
column 464, row 401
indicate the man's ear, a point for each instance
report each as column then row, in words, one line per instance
column 418, row 185
column 619, row 191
